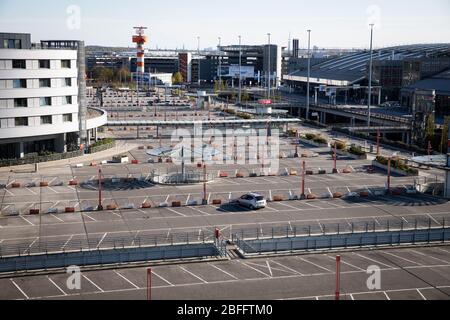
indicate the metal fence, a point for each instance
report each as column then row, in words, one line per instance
column 308, row 238
column 109, row 257
column 45, row 246
column 319, row 229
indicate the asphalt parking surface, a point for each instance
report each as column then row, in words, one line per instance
column 417, row 273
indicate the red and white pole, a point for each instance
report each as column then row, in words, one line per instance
column 335, row 158
column 100, row 206
column 378, row 142
column 149, row 284
column 389, row 176
column 338, row 278
column 205, row 197
column 303, row 180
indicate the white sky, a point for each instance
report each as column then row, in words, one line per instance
column 177, row 23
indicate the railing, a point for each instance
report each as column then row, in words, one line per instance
column 45, row 246
column 332, row 236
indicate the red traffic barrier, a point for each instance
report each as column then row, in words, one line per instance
column 134, row 162
column 223, row 175
column 15, row 185
column 364, row 194
column 176, row 204
column 146, row 205
column 34, row 211
column 239, row 175
column 217, row 202
column 73, row 183
column 111, row 207
column 43, row 184
column 69, row 210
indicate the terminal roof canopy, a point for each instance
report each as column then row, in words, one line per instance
column 352, row 68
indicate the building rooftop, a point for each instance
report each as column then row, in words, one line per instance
column 351, row 68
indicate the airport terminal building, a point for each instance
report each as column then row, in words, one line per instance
column 42, row 97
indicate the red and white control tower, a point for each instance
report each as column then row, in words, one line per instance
column 140, row 39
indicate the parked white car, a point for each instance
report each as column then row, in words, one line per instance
column 252, row 201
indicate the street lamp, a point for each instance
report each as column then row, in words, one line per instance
column 268, row 71
column 240, row 73
column 198, row 51
column 220, row 64
column 309, row 75
column 370, row 74
column 394, row 155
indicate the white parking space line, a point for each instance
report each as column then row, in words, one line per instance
column 349, row 264
column 9, row 192
column 257, row 270
column 421, row 295
column 53, row 282
column 124, row 278
column 160, row 277
column 431, row 217
column 394, row 255
column 289, row 206
column 201, row 211
column 93, row 283
column 315, row 264
column 101, row 240
column 27, row 220
column 223, row 271
column 311, row 205
column 192, row 274
column 176, row 212
column 67, row 242
column 59, row 219
column 20, row 289
column 34, row 193
column 428, row 256
column 50, row 188
column 88, row 216
column 287, row 268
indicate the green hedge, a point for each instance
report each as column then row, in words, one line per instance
column 356, row 150
column 397, row 164
column 102, row 142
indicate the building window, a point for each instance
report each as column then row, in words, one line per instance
column 67, row 117
column 19, row 83
column 19, row 64
column 12, row 44
column 67, row 82
column 44, row 83
column 65, row 64
column 67, row 100
column 20, row 103
column 46, row 119
column 21, row 122
column 45, row 101
column 44, row 64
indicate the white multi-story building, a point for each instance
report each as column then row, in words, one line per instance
column 39, row 101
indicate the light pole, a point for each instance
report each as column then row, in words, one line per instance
column 220, row 64
column 198, row 51
column 389, row 172
column 309, row 75
column 240, row 72
column 268, row 71
column 370, row 75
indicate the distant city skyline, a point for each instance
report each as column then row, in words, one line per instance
column 177, row 24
